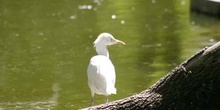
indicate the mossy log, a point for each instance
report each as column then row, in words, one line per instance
column 192, row 85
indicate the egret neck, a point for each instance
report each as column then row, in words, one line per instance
column 101, row 49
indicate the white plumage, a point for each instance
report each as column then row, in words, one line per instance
column 101, row 71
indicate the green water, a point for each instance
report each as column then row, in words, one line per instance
column 45, row 47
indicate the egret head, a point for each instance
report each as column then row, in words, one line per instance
column 106, row 39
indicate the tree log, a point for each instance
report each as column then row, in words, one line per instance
column 193, row 85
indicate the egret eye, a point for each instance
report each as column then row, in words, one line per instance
column 112, row 40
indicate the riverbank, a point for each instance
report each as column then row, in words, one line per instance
column 209, row 7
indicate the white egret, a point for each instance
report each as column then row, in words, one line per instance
column 101, row 71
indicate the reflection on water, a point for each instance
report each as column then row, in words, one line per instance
column 48, row 104
column 45, row 47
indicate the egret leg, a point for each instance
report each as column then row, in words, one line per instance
column 106, row 100
column 92, row 99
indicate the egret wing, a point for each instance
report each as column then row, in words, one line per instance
column 101, row 75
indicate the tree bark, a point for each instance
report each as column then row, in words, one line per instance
column 193, row 85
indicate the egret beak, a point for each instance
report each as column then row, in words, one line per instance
column 120, row 42
column 116, row 41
